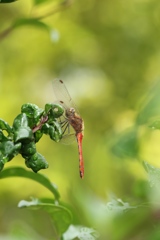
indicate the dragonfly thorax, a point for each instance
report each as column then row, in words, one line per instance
column 75, row 120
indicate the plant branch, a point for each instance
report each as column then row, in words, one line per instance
column 44, row 119
column 57, row 9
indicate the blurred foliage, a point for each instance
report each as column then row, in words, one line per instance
column 7, row 1
column 107, row 52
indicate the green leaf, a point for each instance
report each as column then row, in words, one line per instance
column 32, row 111
column 155, row 125
column 60, row 215
column 32, row 22
column 36, row 2
column 126, row 145
column 7, row 1
column 36, row 162
column 22, row 131
column 5, row 126
column 21, row 172
column 150, row 108
column 8, row 150
column 28, row 149
column 3, row 138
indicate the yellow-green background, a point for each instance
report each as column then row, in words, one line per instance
column 108, row 55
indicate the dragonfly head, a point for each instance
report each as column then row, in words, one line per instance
column 70, row 112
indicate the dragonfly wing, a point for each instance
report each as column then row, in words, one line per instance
column 67, row 129
column 62, row 94
column 68, row 139
column 64, row 98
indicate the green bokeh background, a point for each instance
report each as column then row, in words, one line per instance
column 108, row 55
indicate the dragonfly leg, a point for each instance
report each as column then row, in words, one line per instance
column 66, row 126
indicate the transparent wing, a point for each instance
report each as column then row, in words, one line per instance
column 62, row 95
column 67, row 130
column 68, row 139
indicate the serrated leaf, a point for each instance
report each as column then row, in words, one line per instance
column 81, row 233
column 60, row 215
column 7, row 1
column 21, row 172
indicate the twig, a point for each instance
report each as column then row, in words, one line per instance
column 6, row 32
column 43, row 120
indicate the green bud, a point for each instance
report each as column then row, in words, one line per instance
column 28, row 149
column 54, row 110
column 36, row 162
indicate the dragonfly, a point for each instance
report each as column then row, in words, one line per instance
column 71, row 118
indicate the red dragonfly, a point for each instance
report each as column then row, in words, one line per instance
column 71, row 118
